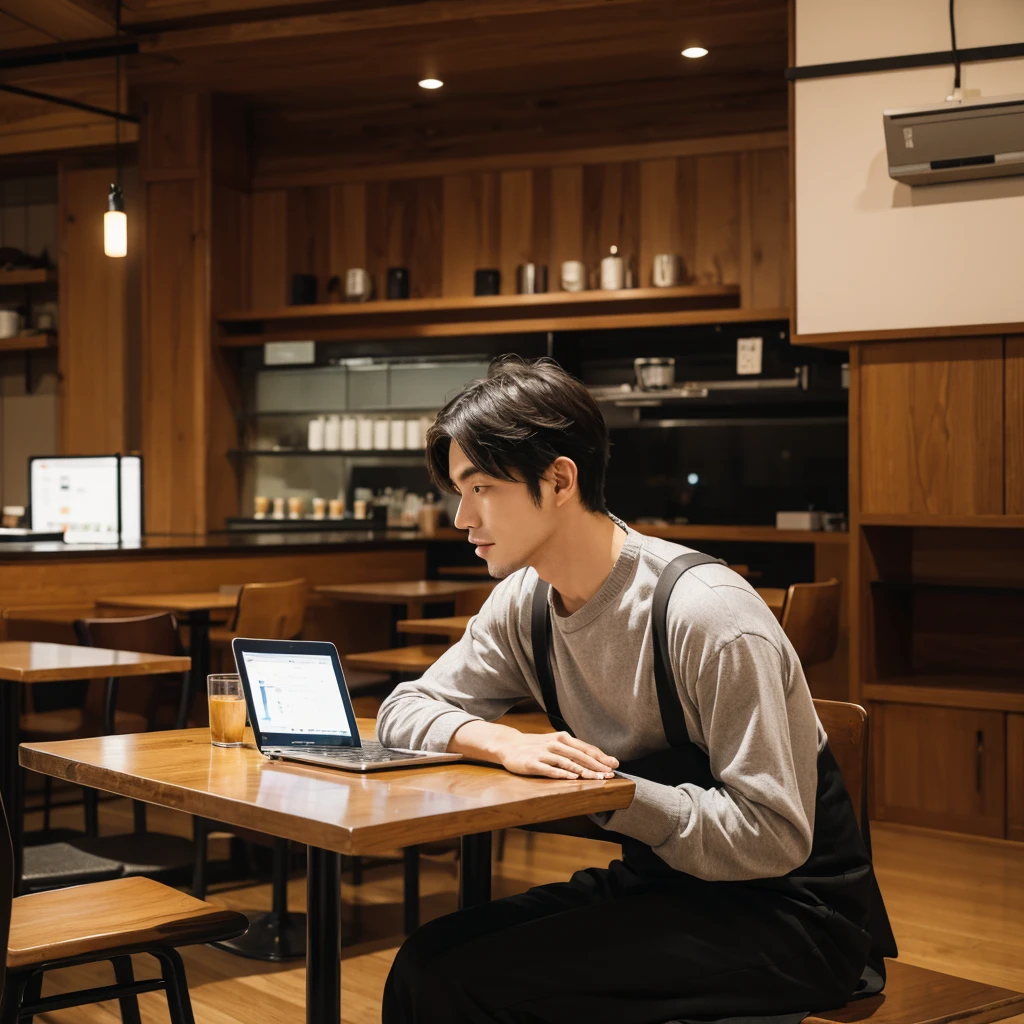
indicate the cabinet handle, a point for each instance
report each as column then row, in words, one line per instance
column 979, row 759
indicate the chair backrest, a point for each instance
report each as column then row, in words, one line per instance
column 847, row 729
column 810, row 618
column 271, row 611
column 148, row 634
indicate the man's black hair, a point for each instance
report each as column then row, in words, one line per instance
column 516, row 421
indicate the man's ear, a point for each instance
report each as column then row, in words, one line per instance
column 564, row 478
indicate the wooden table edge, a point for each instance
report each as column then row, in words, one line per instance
column 172, row 663
column 372, row 839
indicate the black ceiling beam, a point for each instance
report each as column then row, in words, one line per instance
column 68, row 53
column 46, row 97
column 938, row 58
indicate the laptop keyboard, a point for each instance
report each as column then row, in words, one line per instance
column 367, row 752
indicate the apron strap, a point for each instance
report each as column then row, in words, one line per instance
column 672, row 717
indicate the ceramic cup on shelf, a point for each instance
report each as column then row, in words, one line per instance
column 278, row 508
column 398, row 434
column 381, row 433
column 359, row 508
column 336, row 508
column 398, row 282
column 364, row 434
column 315, row 436
column 531, row 278
column 319, row 508
column 487, row 281
column 613, row 271
column 295, row 506
column 667, row 271
column 348, row 433
column 261, row 506
column 358, row 285
column 573, row 276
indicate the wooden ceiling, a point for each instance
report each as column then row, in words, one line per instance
column 340, row 77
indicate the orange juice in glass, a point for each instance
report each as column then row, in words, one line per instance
column 227, row 710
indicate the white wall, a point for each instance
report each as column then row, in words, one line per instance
column 873, row 254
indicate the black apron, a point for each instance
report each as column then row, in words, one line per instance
column 837, row 881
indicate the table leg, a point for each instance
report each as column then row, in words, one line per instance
column 475, row 873
column 199, row 648
column 323, row 936
column 10, row 772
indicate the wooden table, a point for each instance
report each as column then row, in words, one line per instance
column 331, row 812
column 195, row 609
column 413, row 594
column 24, row 663
column 451, row 627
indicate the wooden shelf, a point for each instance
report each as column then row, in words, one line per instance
column 23, row 277
column 757, row 534
column 28, row 343
column 324, row 452
column 1001, row 522
column 494, row 314
column 991, row 693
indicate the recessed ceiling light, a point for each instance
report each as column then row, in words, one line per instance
column 431, row 83
column 692, row 51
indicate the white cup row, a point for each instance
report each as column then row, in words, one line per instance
column 367, row 433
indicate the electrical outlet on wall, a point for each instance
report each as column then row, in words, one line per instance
column 748, row 355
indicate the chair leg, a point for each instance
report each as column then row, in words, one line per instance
column 13, row 995
column 33, row 990
column 179, row 1003
column 91, row 803
column 357, row 870
column 47, row 800
column 411, row 905
column 124, row 975
column 200, row 830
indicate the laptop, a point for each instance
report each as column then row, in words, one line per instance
column 300, row 709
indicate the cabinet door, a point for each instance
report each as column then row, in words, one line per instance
column 1015, row 425
column 940, row 767
column 1015, row 777
column 931, row 427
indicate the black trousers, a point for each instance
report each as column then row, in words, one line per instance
column 611, row 946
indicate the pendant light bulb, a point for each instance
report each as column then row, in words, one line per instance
column 115, row 225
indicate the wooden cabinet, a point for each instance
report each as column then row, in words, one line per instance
column 1015, row 425
column 1015, row 777
column 940, row 767
column 931, row 427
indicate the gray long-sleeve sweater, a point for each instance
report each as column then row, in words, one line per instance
column 743, row 693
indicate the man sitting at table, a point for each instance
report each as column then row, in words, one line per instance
column 745, row 887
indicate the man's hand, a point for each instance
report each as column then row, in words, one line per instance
column 556, row 755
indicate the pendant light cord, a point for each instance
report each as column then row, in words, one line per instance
column 117, row 100
column 952, row 35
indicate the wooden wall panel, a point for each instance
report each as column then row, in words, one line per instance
column 931, row 427
column 1015, row 425
column 566, row 218
column 725, row 213
column 93, row 336
column 717, row 256
column 267, row 255
column 1015, row 777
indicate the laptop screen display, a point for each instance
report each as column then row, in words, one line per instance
column 296, row 694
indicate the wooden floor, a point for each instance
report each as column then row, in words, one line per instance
column 957, row 906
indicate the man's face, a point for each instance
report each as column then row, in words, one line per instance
column 504, row 524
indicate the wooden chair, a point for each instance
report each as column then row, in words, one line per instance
column 100, row 921
column 810, row 618
column 269, row 611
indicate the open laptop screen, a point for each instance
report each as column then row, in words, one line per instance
column 295, row 694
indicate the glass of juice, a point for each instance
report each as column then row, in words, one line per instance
column 227, row 710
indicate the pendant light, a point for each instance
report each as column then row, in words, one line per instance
column 115, row 222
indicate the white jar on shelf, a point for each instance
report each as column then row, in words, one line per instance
column 348, row 433
column 364, row 434
column 381, row 433
column 398, row 434
column 413, row 434
column 315, row 437
column 332, row 433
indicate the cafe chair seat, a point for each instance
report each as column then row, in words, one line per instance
column 121, row 915
column 72, row 723
column 54, row 865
